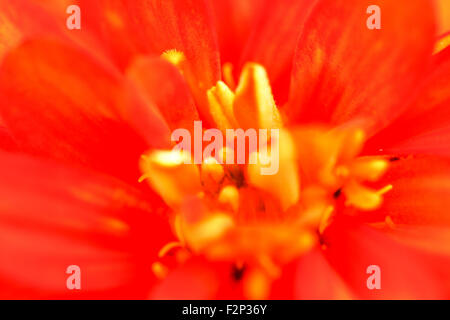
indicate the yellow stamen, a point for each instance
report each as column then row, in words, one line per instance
column 385, row 189
column 168, row 247
column 253, row 213
column 361, row 197
column 230, row 196
column 221, row 100
column 143, row 177
column 325, row 221
column 208, row 230
column 369, row 169
column 227, row 71
column 159, row 270
column 174, row 56
column 386, row 223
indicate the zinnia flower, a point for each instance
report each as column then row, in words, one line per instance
column 88, row 177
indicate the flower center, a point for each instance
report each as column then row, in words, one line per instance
column 233, row 212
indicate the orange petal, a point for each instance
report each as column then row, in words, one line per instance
column 24, row 19
column 128, row 28
column 424, row 128
column 198, row 279
column 420, row 193
column 316, row 279
column 310, row 277
column 273, row 41
column 433, row 239
column 404, row 273
column 443, row 12
column 162, row 83
column 234, row 23
column 53, row 217
column 61, row 103
column 10, row 35
column 337, row 78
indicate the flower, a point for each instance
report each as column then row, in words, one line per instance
column 364, row 170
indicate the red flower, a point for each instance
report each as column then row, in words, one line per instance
column 364, row 173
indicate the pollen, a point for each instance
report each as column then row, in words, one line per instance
column 174, row 56
column 276, row 206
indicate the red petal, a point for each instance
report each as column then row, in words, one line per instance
column 234, row 22
column 343, row 70
column 152, row 26
column 420, row 194
column 198, row 279
column 7, row 143
column 163, row 84
column 443, row 9
column 424, row 128
column 10, row 35
column 22, row 18
column 61, row 103
column 433, row 239
column 31, row 19
column 310, row 278
column 316, row 279
column 405, row 273
column 188, row 282
column 273, row 41
column 53, row 217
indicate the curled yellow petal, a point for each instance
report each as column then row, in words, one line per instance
column 171, row 175
column 229, row 195
column 368, row 168
column 221, row 99
column 361, row 197
column 254, row 105
column 207, row 230
column 283, row 183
